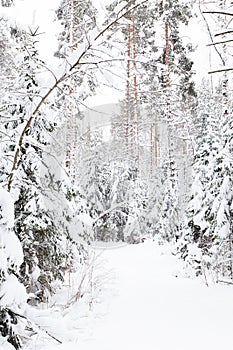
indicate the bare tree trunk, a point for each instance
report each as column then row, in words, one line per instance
column 136, row 111
column 128, row 88
column 71, row 123
column 156, row 142
column 168, row 107
column 151, row 141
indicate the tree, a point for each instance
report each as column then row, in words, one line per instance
column 78, row 20
column 12, row 293
column 209, row 212
column 36, row 225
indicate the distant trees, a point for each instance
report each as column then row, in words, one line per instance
column 152, row 125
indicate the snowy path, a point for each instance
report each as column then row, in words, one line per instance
column 155, row 310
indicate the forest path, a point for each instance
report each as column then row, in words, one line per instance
column 154, row 309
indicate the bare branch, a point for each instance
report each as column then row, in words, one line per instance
column 26, row 127
column 210, row 34
column 220, row 70
column 220, row 42
column 223, row 33
column 104, row 30
column 108, row 211
column 219, row 13
column 41, row 63
column 101, row 61
column 226, row 282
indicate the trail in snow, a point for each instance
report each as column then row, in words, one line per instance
column 154, row 309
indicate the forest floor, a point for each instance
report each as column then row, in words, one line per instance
column 145, row 302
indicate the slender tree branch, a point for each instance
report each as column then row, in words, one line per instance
column 219, row 13
column 210, row 34
column 100, row 62
column 223, row 33
column 220, row 42
column 226, row 282
column 25, row 129
column 41, row 63
column 104, row 30
column 108, row 211
column 39, row 327
column 220, row 70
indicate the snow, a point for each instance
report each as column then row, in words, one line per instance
column 7, row 208
column 85, row 218
column 120, row 7
column 10, row 247
column 5, row 345
column 12, row 293
column 29, row 15
column 144, row 302
column 137, row 296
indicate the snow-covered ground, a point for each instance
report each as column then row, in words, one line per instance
column 141, row 304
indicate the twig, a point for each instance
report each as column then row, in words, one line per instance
column 223, row 33
column 220, row 42
column 25, row 129
column 226, row 282
column 219, row 13
column 106, row 212
column 209, row 31
column 102, row 32
column 220, row 70
column 25, row 318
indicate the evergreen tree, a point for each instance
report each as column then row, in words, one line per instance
column 36, row 225
column 210, row 211
column 12, row 293
column 208, row 214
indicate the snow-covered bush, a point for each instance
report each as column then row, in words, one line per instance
column 13, row 295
